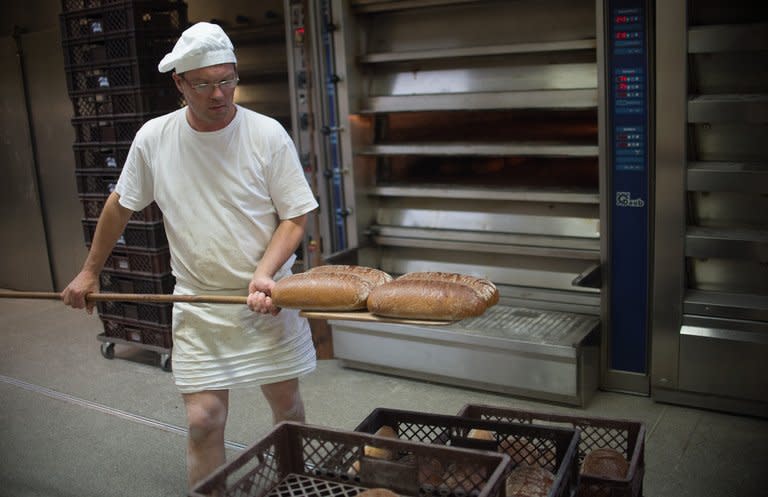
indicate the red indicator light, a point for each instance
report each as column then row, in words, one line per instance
column 622, row 86
column 621, row 19
column 621, row 35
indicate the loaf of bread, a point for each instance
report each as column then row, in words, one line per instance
column 521, row 451
column 425, row 299
column 481, row 434
column 484, row 288
column 322, row 292
column 377, row 492
column 529, row 481
column 469, row 478
column 605, row 463
column 375, row 452
column 374, row 276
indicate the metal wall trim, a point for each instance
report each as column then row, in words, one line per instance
column 669, row 218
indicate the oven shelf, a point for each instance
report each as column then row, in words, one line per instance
column 568, row 99
column 727, row 38
column 741, row 107
column 492, row 243
column 521, row 149
column 728, row 176
column 480, row 51
column 520, row 195
column 749, row 244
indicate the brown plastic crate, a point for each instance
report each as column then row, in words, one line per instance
column 128, row 283
column 110, row 74
column 126, row 102
column 74, row 5
column 143, row 313
column 552, row 448
column 121, row 45
column 97, row 21
column 139, row 261
column 112, row 130
column 100, row 156
column 95, row 181
column 135, row 235
column 625, row 436
column 300, row 460
column 93, row 205
column 142, row 333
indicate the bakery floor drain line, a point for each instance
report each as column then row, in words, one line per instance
column 136, row 418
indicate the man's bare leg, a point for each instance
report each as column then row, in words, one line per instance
column 285, row 400
column 206, row 418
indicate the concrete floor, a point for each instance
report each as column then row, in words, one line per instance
column 75, row 424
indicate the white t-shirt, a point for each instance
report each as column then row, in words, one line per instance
column 222, row 193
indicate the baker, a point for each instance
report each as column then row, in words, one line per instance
column 235, row 202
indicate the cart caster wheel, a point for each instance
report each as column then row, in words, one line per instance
column 108, row 350
column 165, row 362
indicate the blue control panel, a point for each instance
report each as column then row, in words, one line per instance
column 628, row 118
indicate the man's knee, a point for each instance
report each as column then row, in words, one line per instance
column 205, row 416
column 285, row 400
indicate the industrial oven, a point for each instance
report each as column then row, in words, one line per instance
column 512, row 140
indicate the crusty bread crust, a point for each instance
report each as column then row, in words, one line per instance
column 322, row 292
column 425, row 299
column 529, row 481
column 484, row 288
column 375, row 276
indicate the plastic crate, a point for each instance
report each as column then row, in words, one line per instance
column 625, row 436
column 124, row 283
column 75, row 5
column 141, row 333
column 135, row 235
column 144, row 313
column 121, row 74
column 155, row 16
column 93, row 205
column 127, row 102
column 111, row 130
column 100, row 156
column 551, row 448
column 93, row 181
column 139, row 261
column 303, row 460
column 120, row 45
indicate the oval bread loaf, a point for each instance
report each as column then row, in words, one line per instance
column 375, row 276
column 377, row 492
column 484, row 288
column 425, row 299
column 605, row 463
column 322, row 292
column 529, row 481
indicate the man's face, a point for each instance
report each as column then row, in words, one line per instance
column 210, row 106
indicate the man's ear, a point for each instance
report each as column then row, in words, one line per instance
column 177, row 80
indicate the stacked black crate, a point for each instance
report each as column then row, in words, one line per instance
column 111, row 52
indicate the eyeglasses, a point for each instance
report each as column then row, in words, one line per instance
column 207, row 88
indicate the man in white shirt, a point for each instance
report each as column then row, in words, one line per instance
column 235, row 202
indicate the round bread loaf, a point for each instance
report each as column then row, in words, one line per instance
column 529, row 481
column 376, row 452
column 605, row 463
column 377, row 492
column 425, row 299
column 485, row 289
column 322, row 292
column 521, row 451
column 374, row 276
column 481, row 434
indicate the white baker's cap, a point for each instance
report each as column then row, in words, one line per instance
column 201, row 45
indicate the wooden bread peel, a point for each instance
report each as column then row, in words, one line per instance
column 216, row 299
